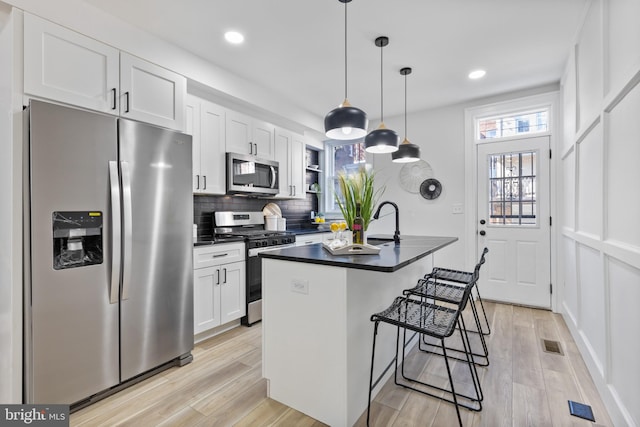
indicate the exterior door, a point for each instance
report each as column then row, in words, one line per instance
column 514, row 221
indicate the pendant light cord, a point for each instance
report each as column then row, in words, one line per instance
column 345, row 50
column 381, row 87
column 405, row 106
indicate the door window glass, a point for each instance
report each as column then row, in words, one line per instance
column 512, row 189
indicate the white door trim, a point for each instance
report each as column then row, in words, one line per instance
column 549, row 100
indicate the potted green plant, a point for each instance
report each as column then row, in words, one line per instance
column 358, row 188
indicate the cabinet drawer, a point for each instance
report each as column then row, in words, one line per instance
column 309, row 239
column 213, row 255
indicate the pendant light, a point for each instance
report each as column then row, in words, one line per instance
column 381, row 140
column 407, row 152
column 346, row 121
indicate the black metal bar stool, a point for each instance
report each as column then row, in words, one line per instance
column 438, row 322
column 465, row 278
column 457, row 295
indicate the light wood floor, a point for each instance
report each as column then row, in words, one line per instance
column 523, row 386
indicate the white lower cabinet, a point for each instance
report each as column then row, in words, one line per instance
column 218, row 285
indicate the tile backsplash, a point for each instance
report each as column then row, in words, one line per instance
column 297, row 212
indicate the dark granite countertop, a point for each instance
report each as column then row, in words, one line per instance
column 390, row 258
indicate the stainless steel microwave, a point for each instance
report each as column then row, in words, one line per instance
column 250, row 175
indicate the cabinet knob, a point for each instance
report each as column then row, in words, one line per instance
column 482, row 232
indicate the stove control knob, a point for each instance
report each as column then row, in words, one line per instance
column 263, row 243
column 274, row 242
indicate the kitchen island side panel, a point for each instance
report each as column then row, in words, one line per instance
column 304, row 337
column 317, row 345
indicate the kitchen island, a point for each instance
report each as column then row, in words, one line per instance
column 317, row 332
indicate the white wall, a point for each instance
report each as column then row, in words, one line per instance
column 600, row 243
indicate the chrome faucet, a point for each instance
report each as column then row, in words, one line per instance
column 396, row 235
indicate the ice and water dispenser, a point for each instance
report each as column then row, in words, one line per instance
column 77, row 239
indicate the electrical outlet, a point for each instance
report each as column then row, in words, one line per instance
column 300, row 286
column 457, row 208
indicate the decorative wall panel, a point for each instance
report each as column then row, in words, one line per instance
column 623, row 171
column 623, row 44
column 570, row 291
column 589, row 61
column 625, row 346
column 590, row 183
column 568, row 199
column 592, row 302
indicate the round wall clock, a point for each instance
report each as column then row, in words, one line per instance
column 412, row 175
column 430, row 188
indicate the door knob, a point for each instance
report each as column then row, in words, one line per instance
column 483, row 222
column 482, row 232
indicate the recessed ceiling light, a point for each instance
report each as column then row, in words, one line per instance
column 477, row 74
column 233, row 37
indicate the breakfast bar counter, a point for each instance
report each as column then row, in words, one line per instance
column 317, row 332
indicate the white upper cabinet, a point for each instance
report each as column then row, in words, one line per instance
column 289, row 152
column 205, row 122
column 246, row 135
column 68, row 67
column 150, row 93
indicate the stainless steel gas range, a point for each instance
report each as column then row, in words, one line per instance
column 250, row 226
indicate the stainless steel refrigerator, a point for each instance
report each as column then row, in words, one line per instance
column 109, row 272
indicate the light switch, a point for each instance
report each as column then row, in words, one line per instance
column 300, row 286
column 457, row 208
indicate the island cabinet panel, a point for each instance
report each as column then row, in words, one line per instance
column 326, row 312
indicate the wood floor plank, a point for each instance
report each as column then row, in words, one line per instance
column 265, row 414
column 187, row 416
column 497, row 385
column 381, row 416
column 291, row 417
column 530, row 407
column 87, row 415
column 233, row 410
column 211, row 403
column 182, row 394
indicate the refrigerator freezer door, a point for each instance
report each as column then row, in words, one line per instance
column 73, row 350
column 157, row 314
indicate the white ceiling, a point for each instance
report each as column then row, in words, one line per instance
column 296, row 47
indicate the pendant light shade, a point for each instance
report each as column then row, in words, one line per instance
column 407, row 152
column 346, row 121
column 381, row 140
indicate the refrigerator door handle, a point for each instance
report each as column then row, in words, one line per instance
column 128, row 233
column 116, row 238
